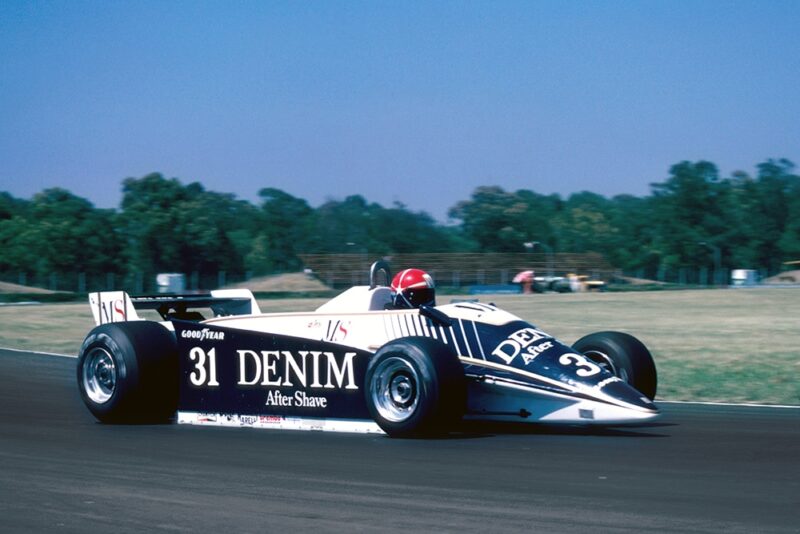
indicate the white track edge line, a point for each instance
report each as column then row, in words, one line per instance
column 740, row 404
column 40, row 353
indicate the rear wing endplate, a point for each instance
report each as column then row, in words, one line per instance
column 118, row 306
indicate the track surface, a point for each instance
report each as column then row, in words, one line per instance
column 701, row 469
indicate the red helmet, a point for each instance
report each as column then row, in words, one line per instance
column 413, row 288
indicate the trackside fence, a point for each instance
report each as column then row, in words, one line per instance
column 455, row 271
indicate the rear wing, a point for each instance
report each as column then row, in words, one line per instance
column 118, row 306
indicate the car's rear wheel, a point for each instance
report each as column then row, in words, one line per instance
column 623, row 356
column 128, row 372
column 415, row 387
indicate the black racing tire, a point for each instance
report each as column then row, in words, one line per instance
column 624, row 356
column 128, row 372
column 415, row 387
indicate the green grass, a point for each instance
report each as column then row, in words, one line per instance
column 709, row 345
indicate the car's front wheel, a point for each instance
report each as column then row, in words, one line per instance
column 623, row 356
column 128, row 372
column 415, row 387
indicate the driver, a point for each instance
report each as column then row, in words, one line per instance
column 412, row 288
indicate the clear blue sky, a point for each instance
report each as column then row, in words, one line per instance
column 417, row 102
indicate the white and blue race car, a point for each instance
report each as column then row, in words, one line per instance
column 351, row 365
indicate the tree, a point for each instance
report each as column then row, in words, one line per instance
column 172, row 227
column 634, row 245
column 771, row 211
column 399, row 230
column 257, row 260
column 285, row 223
column 688, row 210
column 585, row 225
column 499, row 221
column 58, row 232
column 164, row 225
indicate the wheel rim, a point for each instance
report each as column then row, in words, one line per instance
column 99, row 375
column 394, row 389
column 607, row 364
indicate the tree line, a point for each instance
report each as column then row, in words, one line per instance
column 692, row 219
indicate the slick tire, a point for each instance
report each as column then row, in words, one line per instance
column 128, row 372
column 415, row 387
column 624, row 356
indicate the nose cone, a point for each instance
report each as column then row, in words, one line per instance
column 611, row 402
column 624, row 393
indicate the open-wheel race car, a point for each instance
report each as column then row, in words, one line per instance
column 354, row 364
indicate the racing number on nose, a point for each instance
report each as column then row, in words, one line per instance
column 199, row 376
column 585, row 367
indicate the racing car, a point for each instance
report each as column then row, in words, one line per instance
column 354, row 364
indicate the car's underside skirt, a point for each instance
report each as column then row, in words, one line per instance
column 279, row 422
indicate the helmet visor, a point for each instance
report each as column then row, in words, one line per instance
column 422, row 296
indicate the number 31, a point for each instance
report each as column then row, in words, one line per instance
column 201, row 377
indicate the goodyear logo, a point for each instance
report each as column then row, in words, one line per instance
column 204, row 334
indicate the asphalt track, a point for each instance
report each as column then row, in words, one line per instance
column 699, row 469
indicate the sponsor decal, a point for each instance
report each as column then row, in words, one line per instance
column 110, row 311
column 300, row 399
column 533, row 351
column 248, row 420
column 119, row 309
column 203, row 334
column 263, row 373
column 334, row 330
column 276, row 398
column 527, row 341
column 311, row 369
column 337, row 331
column 607, row 381
column 270, row 419
column 206, row 418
